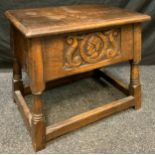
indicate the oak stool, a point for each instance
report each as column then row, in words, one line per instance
column 58, row 45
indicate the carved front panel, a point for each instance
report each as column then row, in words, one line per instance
column 66, row 55
column 91, row 48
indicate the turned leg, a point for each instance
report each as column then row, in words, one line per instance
column 38, row 123
column 17, row 83
column 37, row 85
column 17, row 77
column 135, row 86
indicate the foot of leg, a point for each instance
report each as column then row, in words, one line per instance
column 38, row 124
column 135, row 87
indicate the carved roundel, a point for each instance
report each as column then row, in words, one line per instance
column 92, row 48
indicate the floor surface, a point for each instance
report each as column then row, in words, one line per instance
column 129, row 131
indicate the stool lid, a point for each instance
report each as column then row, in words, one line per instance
column 63, row 19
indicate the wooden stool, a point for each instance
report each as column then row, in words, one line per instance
column 57, row 45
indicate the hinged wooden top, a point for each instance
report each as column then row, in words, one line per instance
column 57, row 20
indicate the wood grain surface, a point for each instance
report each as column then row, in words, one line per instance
column 63, row 19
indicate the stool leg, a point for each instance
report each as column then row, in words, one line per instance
column 37, row 85
column 17, row 83
column 135, row 86
column 17, row 78
column 38, row 123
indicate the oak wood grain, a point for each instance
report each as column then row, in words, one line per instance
column 135, row 85
column 23, row 108
column 88, row 117
column 61, row 60
column 64, row 19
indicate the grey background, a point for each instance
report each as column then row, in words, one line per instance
column 144, row 6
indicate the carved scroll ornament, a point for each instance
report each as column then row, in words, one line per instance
column 91, row 48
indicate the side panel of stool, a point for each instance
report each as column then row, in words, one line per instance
column 76, row 53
